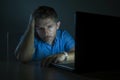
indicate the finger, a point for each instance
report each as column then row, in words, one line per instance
column 30, row 19
column 56, row 60
column 46, row 62
column 50, row 60
column 59, row 58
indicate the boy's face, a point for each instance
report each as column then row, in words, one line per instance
column 46, row 29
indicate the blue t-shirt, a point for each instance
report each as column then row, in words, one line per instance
column 63, row 42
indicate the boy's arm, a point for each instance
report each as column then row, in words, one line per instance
column 59, row 58
column 25, row 48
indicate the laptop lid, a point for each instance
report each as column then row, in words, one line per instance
column 97, row 42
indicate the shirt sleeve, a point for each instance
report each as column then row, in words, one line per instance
column 68, row 41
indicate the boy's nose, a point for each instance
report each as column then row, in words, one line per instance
column 46, row 32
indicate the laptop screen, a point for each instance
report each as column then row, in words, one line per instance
column 97, row 42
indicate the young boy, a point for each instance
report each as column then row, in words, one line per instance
column 44, row 41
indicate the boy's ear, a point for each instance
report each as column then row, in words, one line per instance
column 58, row 24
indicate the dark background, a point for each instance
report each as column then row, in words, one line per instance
column 14, row 16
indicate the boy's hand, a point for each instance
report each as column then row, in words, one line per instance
column 57, row 58
column 31, row 22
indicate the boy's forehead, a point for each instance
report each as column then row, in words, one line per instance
column 46, row 21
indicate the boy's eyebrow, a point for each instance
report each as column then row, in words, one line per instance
column 43, row 25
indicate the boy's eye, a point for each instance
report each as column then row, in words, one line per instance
column 39, row 28
column 49, row 26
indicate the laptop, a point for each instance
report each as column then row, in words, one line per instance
column 97, row 44
column 65, row 66
column 97, row 38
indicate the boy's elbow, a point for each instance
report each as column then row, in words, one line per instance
column 23, row 57
column 16, row 55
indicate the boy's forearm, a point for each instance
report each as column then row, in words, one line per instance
column 25, row 48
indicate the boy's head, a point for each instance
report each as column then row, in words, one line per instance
column 43, row 12
column 46, row 23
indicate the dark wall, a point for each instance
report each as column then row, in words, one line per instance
column 14, row 16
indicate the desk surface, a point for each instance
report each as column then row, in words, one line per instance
column 12, row 70
column 18, row 71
